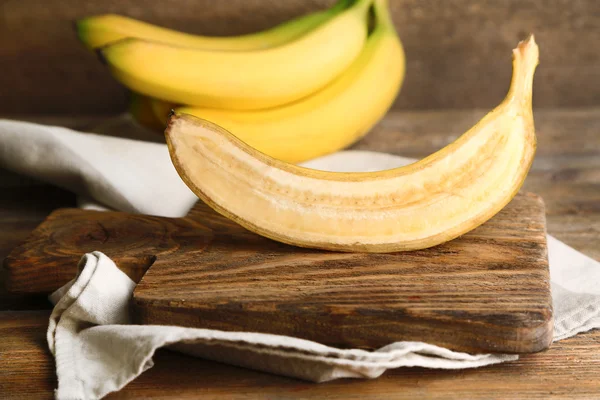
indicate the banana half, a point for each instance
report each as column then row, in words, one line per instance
column 417, row 206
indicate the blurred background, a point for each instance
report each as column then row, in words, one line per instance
column 458, row 51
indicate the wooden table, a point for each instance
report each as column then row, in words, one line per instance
column 566, row 173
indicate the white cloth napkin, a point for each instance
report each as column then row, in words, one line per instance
column 97, row 352
column 123, row 174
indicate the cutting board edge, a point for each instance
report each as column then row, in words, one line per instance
column 532, row 338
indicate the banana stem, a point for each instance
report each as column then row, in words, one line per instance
column 382, row 13
column 362, row 5
column 525, row 60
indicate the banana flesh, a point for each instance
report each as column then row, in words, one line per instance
column 241, row 79
column 417, row 206
column 330, row 119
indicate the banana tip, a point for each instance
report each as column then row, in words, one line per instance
column 527, row 48
column 530, row 41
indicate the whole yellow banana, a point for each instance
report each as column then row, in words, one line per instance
column 330, row 119
column 241, row 80
column 98, row 31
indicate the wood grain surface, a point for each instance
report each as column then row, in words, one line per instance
column 568, row 370
column 487, row 291
column 458, row 51
column 48, row 258
column 24, row 203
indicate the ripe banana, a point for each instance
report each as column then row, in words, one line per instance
column 100, row 30
column 417, row 206
column 241, row 80
column 330, row 119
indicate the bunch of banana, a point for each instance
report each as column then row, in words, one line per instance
column 303, row 89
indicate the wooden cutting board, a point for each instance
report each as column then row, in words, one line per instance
column 487, row 291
